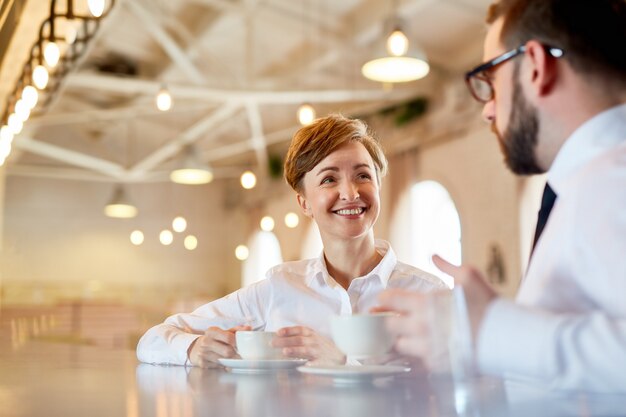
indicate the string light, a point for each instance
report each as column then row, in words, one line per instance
column 40, row 77
column 30, row 96
column 15, row 124
column 51, row 54
column 96, row 7
column 164, row 99
column 51, row 58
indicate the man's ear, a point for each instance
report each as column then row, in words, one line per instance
column 543, row 68
column 304, row 205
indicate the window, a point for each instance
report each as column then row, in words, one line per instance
column 435, row 227
column 264, row 254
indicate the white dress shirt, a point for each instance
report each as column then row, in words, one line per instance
column 300, row 293
column 568, row 327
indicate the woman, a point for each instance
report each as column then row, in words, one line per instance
column 335, row 167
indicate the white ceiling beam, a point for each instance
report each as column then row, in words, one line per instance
column 176, row 53
column 118, row 113
column 223, row 5
column 131, row 86
column 59, row 173
column 237, row 148
column 70, row 157
column 74, row 174
column 314, row 16
column 257, row 141
column 187, row 137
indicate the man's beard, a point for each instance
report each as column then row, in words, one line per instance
column 519, row 141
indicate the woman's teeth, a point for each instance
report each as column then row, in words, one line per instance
column 347, row 212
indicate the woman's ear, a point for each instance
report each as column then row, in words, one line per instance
column 304, row 205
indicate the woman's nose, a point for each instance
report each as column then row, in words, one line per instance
column 349, row 192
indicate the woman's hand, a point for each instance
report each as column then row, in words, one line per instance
column 303, row 342
column 214, row 344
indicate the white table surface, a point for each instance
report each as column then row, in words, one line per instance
column 56, row 379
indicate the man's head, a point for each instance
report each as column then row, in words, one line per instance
column 592, row 32
column 530, row 46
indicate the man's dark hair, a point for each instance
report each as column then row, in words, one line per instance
column 591, row 32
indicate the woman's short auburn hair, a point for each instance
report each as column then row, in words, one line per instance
column 314, row 142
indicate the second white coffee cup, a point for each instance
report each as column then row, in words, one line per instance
column 362, row 336
column 256, row 345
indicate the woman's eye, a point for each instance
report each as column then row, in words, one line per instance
column 365, row 176
column 327, row 180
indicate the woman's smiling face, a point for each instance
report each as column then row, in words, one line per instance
column 341, row 193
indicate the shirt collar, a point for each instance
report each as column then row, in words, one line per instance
column 593, row 137
column 383, row 270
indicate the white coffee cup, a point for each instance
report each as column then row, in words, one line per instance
column 256, row 345
column 362, row 336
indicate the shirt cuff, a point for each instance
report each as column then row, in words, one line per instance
column 180, row 345
column 517, row 340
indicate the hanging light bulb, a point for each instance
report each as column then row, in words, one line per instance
column 96, row 7
column 179, row 224
column 40, row 77
column 119, row 206
column 51, row 54
column 400, row 63
column 242, row 252
column 164, row 99
column 192, row 170
column 30, row 96
column 22, row 110
column 15, row 124
column 248, row 180
column 136, row 237
column 306, row 114
column 397, row 43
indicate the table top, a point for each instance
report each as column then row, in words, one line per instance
column 56, row 379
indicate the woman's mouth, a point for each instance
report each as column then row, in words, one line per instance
column 350, row 212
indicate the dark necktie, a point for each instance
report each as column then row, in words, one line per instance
column 547, row 202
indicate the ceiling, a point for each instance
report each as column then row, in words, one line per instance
column 237, row 71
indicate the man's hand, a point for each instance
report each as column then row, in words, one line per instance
column 214, row 344
column 478, row 294
column 416, row 325
column 303, row 342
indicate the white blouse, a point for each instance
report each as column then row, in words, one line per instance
column 294, row 293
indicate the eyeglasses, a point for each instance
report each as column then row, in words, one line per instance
column 478, row 80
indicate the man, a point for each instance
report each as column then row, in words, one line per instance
column 554, row 92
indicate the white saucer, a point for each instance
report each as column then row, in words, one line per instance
column 249, row 366
column 354, row 373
